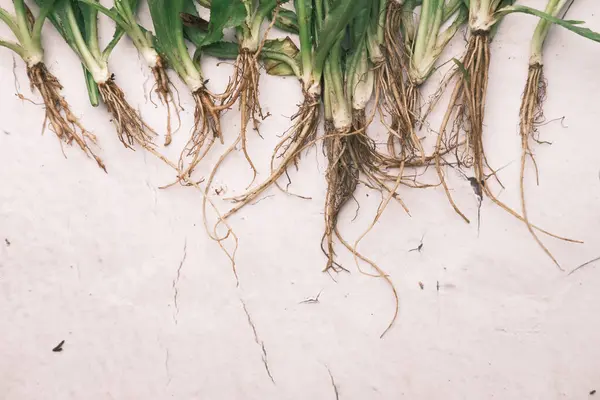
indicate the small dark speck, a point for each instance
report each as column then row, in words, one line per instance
column 59, row 348
column 8, row 243
column 6, row 132
column 593, row 392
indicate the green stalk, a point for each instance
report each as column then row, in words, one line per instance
column 342, row 115
column 91, row 31
column 124, row 15
column 376, row 32
column 170, row 37
column 430, row 40
column 429, row 12
column 305, row 22
column 11, row 22
column 553, row 8
column 29, row 43
column 97, row 68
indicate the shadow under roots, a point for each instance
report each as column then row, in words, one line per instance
column 130, row 126
column 63, row 122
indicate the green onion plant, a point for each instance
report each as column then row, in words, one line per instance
column 28, row 45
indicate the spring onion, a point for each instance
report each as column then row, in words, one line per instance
column 28, row 45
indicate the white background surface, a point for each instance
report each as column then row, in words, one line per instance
column 96, row 259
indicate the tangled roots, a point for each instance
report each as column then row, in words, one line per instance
column 163, row 89
column 342, row 179
column 63, row 122
column 130, row 126
column 288, row 150
column 531, row 114
column 207, row 128
column 395, row 97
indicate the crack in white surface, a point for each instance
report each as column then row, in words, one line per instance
column 259, row 342
column 335, row 388
column 176, row 281
column 169, row 377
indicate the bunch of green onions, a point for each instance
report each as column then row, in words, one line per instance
column 246, row 17
column 28, row 33
column 170, row 39
column 317, row 37
column 124, row 15
column 467, row 104
column 77, row 22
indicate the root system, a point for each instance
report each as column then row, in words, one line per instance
column 390, row 82
column 165, row 94
column 244, row 88
column 466, row 110
column 531, row 114
column 207, row 129
column 287, row 151
column 63, row 122
column 131, row 127
column 342, row 179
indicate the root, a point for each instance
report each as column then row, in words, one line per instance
column 63, row 122
column 207, row 128
column 342, row 179
column 414, row 104
column 350, row 153
column 248, row 72
column 395, row 97
column 163, row 89
column 531, row 114
column 380, row 274
column 467, row 106
column 189, row 182
column 130, row 126
column 288, row 150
